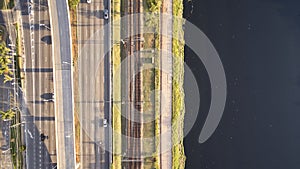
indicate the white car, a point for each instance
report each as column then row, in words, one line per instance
column 104, row 122
column 88, row 1
column 105, row 13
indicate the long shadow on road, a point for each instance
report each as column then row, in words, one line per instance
column 37, row 155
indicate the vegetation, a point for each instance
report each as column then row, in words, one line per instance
column 116, row 60
column 73, row 4
column 7, row 4
column 11, row 115
column 152, row 8
column 153, row 5
column 15, row 136
column 11, row 4
column 152, row 41
column 73, row 19
column 7, row 115
column 5, row 60
column 17, row 58
column 15, row 142
column 178, row 94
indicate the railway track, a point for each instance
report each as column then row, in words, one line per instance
column 134, row 108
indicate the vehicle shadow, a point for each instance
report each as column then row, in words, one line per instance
column 47, row 40
column 47, row 96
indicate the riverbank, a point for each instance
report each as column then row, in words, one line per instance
column 178, row 92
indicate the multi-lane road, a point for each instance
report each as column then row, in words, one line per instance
column 48, row 70
column 94, row 84
column 38, row 110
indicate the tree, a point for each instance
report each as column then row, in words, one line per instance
column 73, row 4
column 7, row 115
column 22, row 148
column 5, row 59
column 7, row 78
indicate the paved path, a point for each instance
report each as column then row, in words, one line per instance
column 5, row 156
column 7, row 18
column 166, row 86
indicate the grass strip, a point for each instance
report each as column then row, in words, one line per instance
column 15, row 142
column 73, row 4
column 73, row 19
column 116, row 66
column 7, row 4
column 178, row 93
column 17, row 58
column 152, row 41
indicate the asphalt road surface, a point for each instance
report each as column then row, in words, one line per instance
column 63, row 86
column 94, row 84
column 38, row 110
column 6, row 91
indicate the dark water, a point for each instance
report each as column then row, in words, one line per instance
column 259, row 44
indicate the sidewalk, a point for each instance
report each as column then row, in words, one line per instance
column 5, row 154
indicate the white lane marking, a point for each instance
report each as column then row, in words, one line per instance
column 29, row 133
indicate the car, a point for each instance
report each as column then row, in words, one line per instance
column 105, row 14
column 88, row 1
column 104, row 122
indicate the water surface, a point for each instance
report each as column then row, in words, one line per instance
column 259, row 44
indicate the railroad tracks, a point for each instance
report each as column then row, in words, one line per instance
column 134, row 107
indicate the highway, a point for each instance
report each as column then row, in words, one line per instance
column 94, row 84
column 37, row 109
column 63, row 86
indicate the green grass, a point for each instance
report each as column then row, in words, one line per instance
column 15, row 132
column 116, row 59
column 18, row 56
column 7, row 4
column 11, row 4
column 15, row 142
column 149, row 146
column 152, row 41
column 2, row 4
column 178, row 93
column 117, row 142
column 73, row 4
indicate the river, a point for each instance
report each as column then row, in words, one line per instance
column 259, row 45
